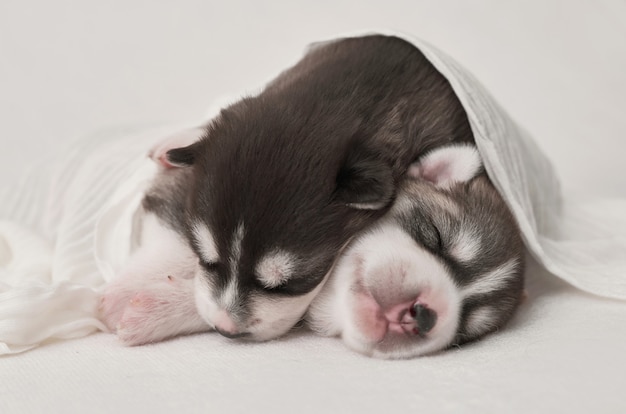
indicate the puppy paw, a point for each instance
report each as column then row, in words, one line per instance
column 157, row 311
column 143, row 319
column 113, row 303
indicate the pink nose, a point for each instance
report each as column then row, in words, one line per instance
column 225, row 326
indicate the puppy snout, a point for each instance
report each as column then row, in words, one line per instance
column 424, row 317
column 231, row 335
column 225, row 326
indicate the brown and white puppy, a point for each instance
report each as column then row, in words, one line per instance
column 444, row 266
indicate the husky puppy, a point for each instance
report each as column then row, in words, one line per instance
column 281, row 181
column 444, row 266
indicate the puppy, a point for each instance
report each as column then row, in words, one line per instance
column 444, row 266
column 281, row 181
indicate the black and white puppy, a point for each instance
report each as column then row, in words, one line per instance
column 444, row 266
column 280, row 182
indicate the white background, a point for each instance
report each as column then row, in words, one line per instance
column 72, row 68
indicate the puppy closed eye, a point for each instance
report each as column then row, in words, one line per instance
column 210, row 266
column 432, row 237
column 439, row 240
column 294, row 287
column 426, row 232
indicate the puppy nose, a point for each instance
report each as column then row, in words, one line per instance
column 231, row 335
column 225, row 326
column 424, row 317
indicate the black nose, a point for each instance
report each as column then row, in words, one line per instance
column 232, row 335
column 425, row 318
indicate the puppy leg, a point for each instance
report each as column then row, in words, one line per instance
column 153, row 298
column 162, row 310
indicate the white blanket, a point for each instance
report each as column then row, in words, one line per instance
column 65, row 231
column 66, row 228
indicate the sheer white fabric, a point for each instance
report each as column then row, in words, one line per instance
column 65, row 229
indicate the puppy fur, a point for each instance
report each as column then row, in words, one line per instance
column 449, row 244
column 281, row 181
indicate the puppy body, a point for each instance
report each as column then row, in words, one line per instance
column 281, row 181
column 449, row 246
column 444, row 266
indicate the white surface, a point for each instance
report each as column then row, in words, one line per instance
column 91, row 203
column 69, row 68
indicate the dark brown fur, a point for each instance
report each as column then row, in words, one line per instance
column 335, row 132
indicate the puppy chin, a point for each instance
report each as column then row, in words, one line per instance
column 268, row 317
column 370, row 296
column 265, row 325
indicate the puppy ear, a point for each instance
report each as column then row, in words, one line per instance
column 181, row 157
column 447, row 165
column 177, row 150
column 364, row 181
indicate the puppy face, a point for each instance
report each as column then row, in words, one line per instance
column 283, row 180
column 265, row 248
column 444, row 266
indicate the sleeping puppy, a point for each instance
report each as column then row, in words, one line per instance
column 443, row 267
column 281, row 181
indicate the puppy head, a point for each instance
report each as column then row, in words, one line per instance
column 443, row 267
column 268, row 214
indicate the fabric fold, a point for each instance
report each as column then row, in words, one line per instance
column 76, row 236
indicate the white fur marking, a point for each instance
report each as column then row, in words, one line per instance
column 480, row 320
column 368, row 206
column 235, row 254
column 275, row 268
column 492, row 281
column 466, row 246
column 229, row 297
column 206, row 243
